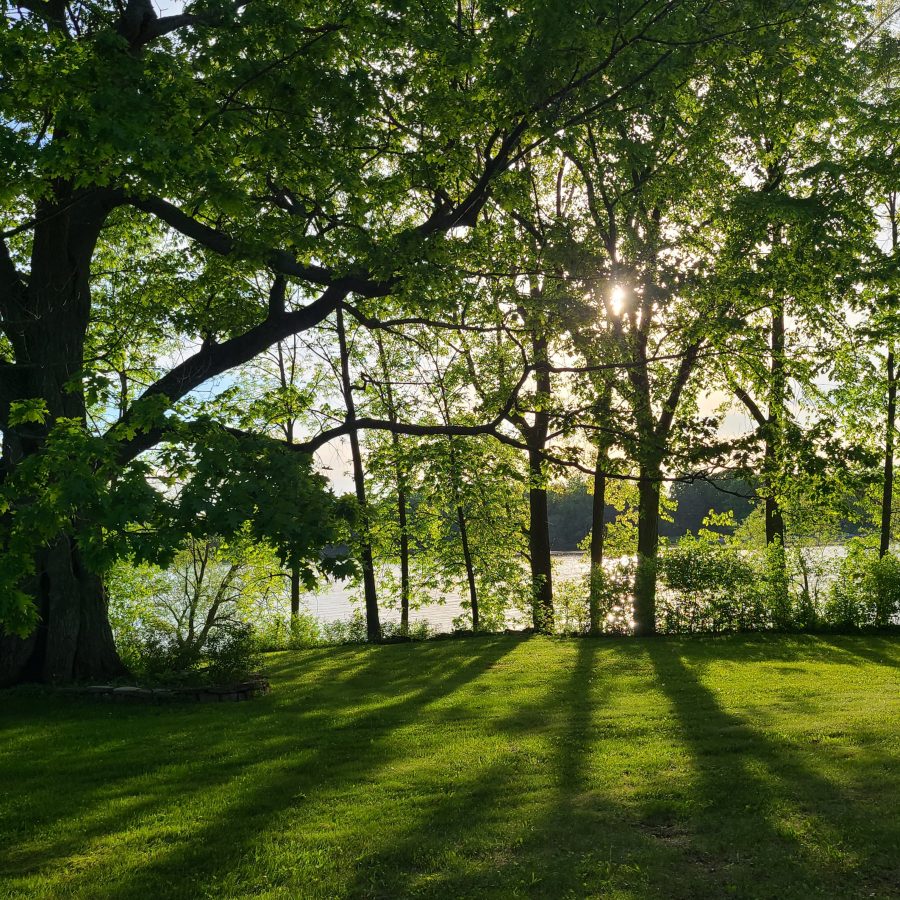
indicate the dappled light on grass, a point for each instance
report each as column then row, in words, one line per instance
column 761, row 766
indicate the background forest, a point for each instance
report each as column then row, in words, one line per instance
column 603, row 274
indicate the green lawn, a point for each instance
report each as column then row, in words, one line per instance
column 486, row 767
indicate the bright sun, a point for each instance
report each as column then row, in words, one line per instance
column 617, row 298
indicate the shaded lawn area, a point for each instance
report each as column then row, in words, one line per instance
column 759, row 766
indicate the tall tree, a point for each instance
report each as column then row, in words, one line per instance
column 796, row 231
column 336, row 144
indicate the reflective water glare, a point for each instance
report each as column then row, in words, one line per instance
column 340, row 599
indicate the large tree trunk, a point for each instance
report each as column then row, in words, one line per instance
column 598, row 533
column 367, row 562
column 73, row 639
column 887, row 491
column 647, row 550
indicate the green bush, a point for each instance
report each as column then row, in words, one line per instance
column 707, row 585
column 281, row 633
column 614, row 590
column 866, row 592
column 570, row 601
column 345, row 631
column 417, row 631
column 231, row 654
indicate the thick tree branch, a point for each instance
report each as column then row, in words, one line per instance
column 214, row 359
column 750, row 403
column 223, row 244
column 140, row 25
column 689, row 360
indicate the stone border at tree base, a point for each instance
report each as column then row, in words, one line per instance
column 217, row 693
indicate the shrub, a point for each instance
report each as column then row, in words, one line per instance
column 190, row 622
column 866, row 592
column 613, row 588
column 231, row 654
column 417, row 631
column 349, row 631
column 278, row 632
column 709, row 586
column 570, row 601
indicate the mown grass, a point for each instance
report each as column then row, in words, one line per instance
column 759, row 766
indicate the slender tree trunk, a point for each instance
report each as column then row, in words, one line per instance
column 464, row 536
column 400, row 475
column 598, row 533
column 539, row 546
column 774, row 433
column 373, row 624
column 470, row 568
column 775, row 530
column 295, row 592
column 404, row 559
column 649, row 480
column 887, row 493
column 539, row 523
column 46, row 330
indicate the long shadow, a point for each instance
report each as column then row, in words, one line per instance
column 766, row 825
column 881, row 649
column 519, row 824
column 531, row 818
column 587, row 840
column 855, row 649
column 256, row 793
column 76, row 738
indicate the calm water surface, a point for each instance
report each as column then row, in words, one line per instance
column 338, row 600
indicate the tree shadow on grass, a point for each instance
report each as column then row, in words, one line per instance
column 521, row 824
column 766, row 824
column 882, row 649
column 281, row 770
column 95, row 767
column 748, row 815
column 336, row 785
column 855, row 649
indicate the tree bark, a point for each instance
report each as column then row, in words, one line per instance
column 887, row 495
column 470, row 568
column 774, row 436
column 373, row 623
column 295, row 592
column 400, row 475
column 649, row 480
column 464, row 535
column 539, row 546
column 46, row 328
column 539, row 524
column 775, row 530
column 404, row 557
column 73, row 640
column 598, row 533
column 887, row 492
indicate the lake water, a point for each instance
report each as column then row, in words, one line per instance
column 335, row 601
